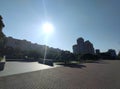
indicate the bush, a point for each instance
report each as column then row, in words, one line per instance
column 89, row 57
column 107, row 56
column 1, row 58
column 46, row 61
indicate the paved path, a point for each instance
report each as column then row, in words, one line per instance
column 102, row 75
column 22, row 67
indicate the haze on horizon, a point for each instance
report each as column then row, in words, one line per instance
column 94, row 20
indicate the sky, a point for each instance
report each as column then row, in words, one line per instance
column 95, row 20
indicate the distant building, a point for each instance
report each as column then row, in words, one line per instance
column 89, row 47
column 80, row 45
column 22, row 44
column 83, row 47
column 75, row 49
column 25, row 45
column 97, row 51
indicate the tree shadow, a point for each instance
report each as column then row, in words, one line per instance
column 73, row 65
column 102, row 62
column 98, row 62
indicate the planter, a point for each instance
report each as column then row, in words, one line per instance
column 2, row 64
column 46, row 62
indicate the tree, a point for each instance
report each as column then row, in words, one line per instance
column 1, row 27
column 119, row 55
column 89, row 57
column 78, row 57
column 2, row 37
column 66, row 56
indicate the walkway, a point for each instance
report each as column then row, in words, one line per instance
column 22, row 67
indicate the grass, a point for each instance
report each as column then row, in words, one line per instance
column 57, row 63
column 71, row 62
column 77, row 62
column 1, row 58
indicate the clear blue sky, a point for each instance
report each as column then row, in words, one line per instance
column 94, row 20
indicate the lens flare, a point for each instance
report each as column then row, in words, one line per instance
column 47, row 28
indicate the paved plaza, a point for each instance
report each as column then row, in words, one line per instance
column 99, row 75
column 22, row 67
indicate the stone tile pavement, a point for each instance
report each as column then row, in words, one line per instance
column 103, row 75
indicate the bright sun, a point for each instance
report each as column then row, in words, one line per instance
column 47, row 28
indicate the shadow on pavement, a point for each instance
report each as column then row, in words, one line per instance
column 73, row 65
column 98, row 62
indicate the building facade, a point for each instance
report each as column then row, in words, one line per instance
column 83, row 47
column 22, row 44
column 97, row 51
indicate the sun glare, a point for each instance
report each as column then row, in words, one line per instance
column 47, row 28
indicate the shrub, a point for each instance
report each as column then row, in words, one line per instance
column 89, row 57
column 1, row 58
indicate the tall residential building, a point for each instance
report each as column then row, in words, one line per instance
column 89, row 47
column 75, row 49
column 97, row 51
column 80, row 45
column 83, row 47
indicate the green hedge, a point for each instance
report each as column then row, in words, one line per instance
column 1, row 58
